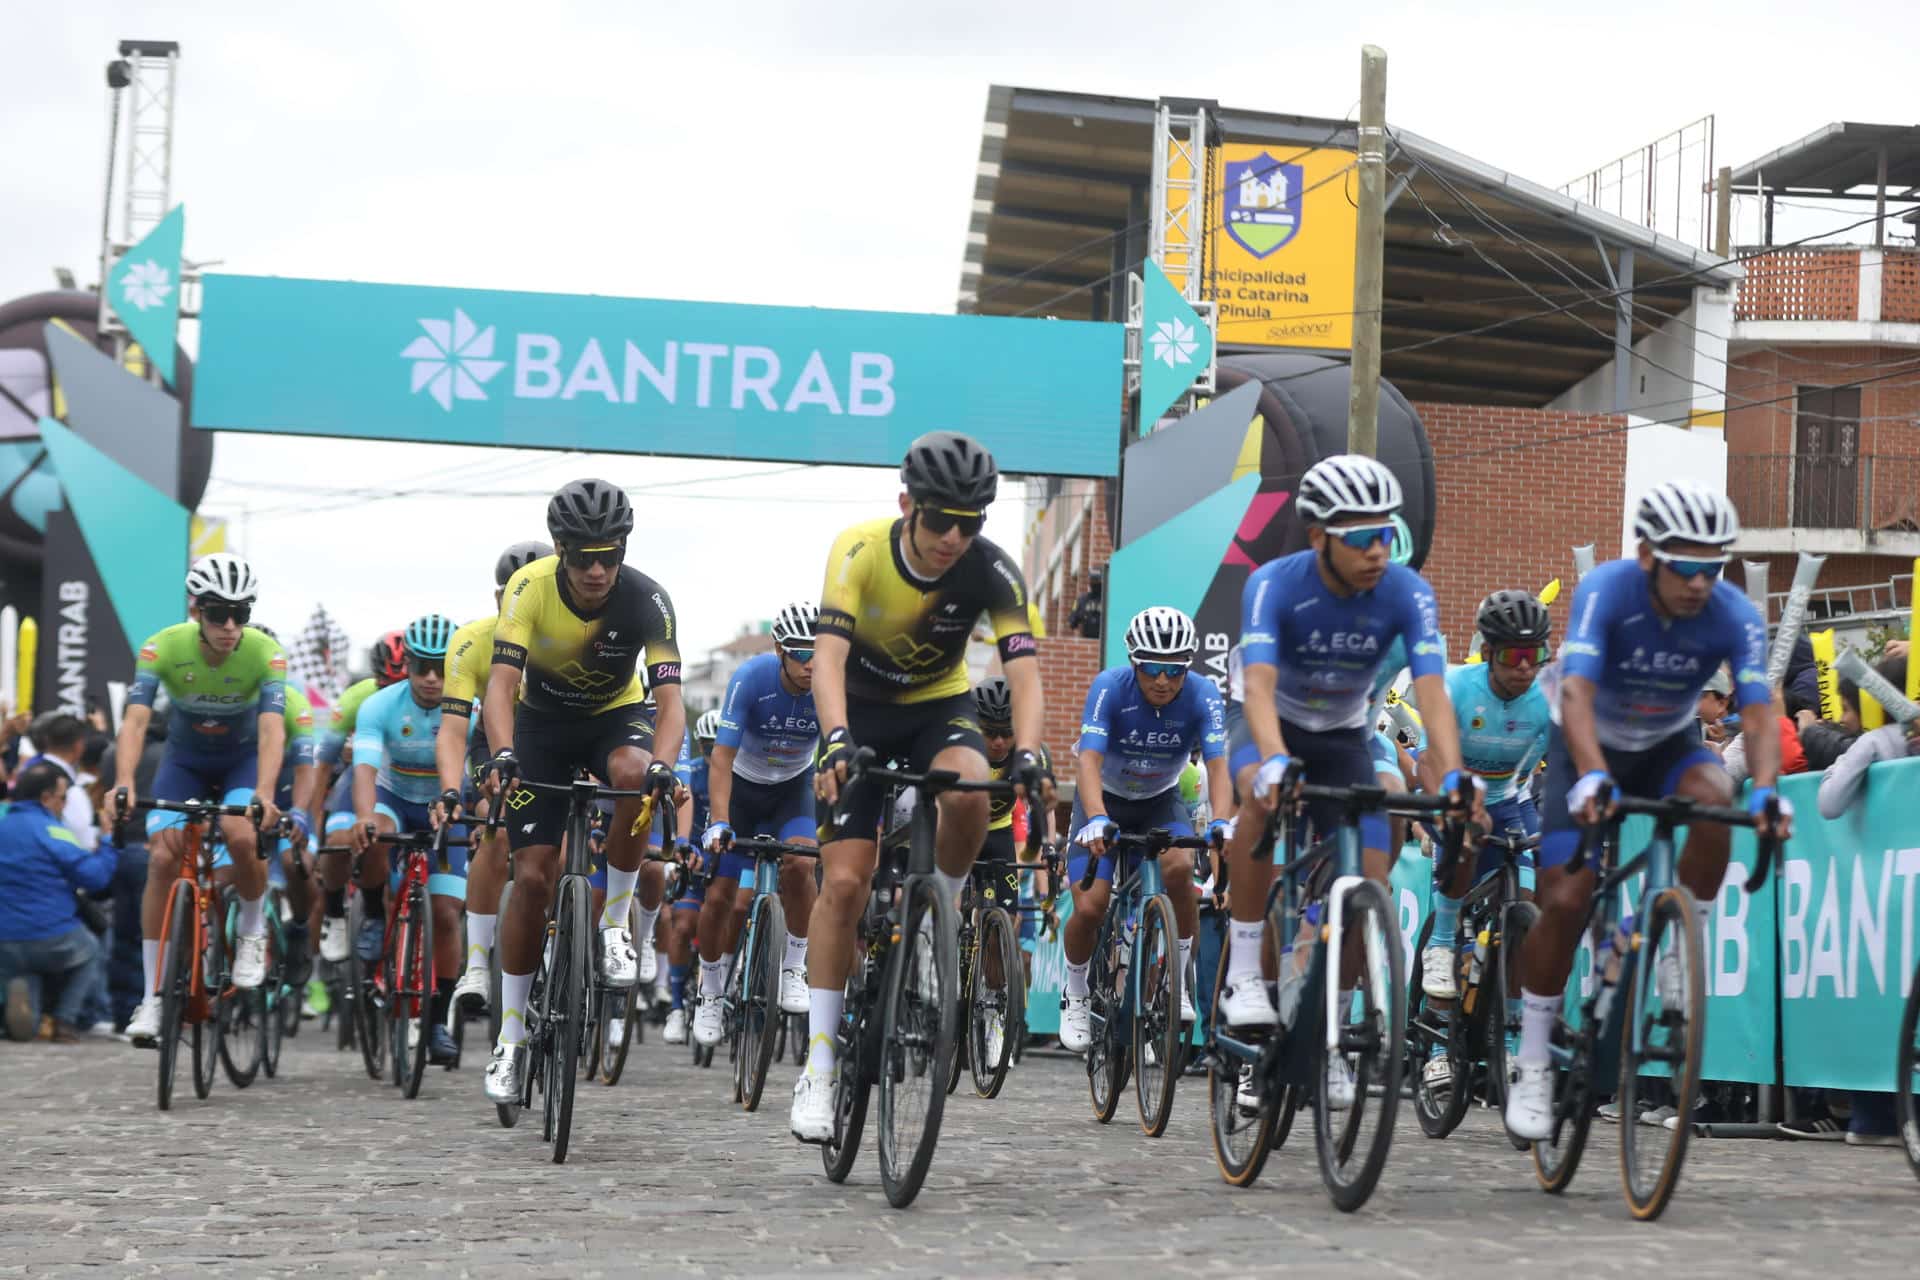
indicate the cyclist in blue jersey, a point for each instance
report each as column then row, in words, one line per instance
column 396, row 784
column 1646, row 635
column 1315, row 627
column 1141, row 722
column 760, row 784
column 333, row 754
column 693, row 772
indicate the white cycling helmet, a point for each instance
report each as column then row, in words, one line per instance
column 222, row 576
column 707, row 727
column 794, row 624
column 1347, row 485
column 1161, row 632
column 1678, row 512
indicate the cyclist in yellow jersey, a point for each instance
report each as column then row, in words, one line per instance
column 460, row 755
column 900, row 602
column 575, row 626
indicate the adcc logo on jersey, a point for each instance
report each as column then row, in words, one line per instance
column 453, row 361
column 1263, row 204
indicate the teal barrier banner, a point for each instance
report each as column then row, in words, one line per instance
column 1847, row 931
column 635, row 375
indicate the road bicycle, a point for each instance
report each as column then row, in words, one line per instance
column 751, row 1010
column 1322, row 901
column 196, row 956
column 1645, row 1014
column 405, row 976
column 1477, row 1025
column 993, row 979
column 1134, row 981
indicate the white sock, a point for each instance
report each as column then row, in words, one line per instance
column 1186, row 953
column 1077, row 979
column 253, row 917
column 643, row 925
column 713, row 976
column 150, row 962
column 951, row 885
column 660, row 965
column 479, row 938
column 1537, row 1014
column 1243, row 950
column 514, row 989
column 1702, row 914
column 823, row 1023
column 796, row 953
column 619, row 896
column 726, row 967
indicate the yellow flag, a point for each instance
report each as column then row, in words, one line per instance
column 1550, row 592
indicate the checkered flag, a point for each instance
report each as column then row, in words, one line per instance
column 317, row 658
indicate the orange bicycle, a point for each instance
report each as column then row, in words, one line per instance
column 195, row 961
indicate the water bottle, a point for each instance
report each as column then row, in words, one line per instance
column 1479, row 961
column 1612, row 954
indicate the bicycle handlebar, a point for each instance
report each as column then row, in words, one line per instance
column 932, row 783
column 1680, row 810
column 1152, row 845
column 202, row 811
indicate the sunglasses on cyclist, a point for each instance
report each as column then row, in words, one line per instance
column 1688, row 567
column 587, row 557
column 421, row 666
column 1171, row 670
column 939, row 520
column 220, row 613
column 1512, row 655
column 801, row 656
column 1366, row 536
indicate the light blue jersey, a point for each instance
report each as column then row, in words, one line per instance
column 1145, row 747
column 396, row 735
column 772, row 731
column 1500, row 742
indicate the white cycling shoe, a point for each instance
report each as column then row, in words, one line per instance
column 793, row 991
column 676, row 1032
column 1529, row 1113
column 1076, row 1023
column 333, row 939
column 1339, row 1083
column 250, row 962
column 143, row 1029
column 708, row 1025
column 812, row 1116
column 618, row 963
column 1246, row 1004
column 1437, row 973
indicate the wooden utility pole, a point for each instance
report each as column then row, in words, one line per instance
column 1363, row 396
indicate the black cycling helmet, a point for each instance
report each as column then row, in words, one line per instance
column 517, row 557
column 1513, row 617
column 993, row 702
column 588, row 513
column 950, row 469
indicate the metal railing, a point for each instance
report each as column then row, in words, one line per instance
column 1867, row 492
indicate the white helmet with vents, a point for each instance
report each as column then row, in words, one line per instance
column 222, row 576
column 1678, row 512
column 1347, row 485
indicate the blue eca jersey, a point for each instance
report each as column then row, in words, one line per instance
column 1145, row 747
column 771, row 731
column 691, row 769
column 1647, row 670
column 1500, row 741
column 396, row 735
column 1328, row 649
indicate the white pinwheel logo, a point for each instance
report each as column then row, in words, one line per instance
column 146, row 284
column 452, row 362
column 1173, row 342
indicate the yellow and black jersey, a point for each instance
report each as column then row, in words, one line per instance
column 909, row 637
column 999, row 807
column 578, row 663
column 469, row 665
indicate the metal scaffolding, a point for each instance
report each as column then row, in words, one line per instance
column 144, row 78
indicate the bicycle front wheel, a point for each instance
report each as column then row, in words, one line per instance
column 413, row 966
column 759, row 1011
column 1156, row 1015
column 277, row 994
column 1368, row 1046
column 568, row 989
column 208, row 1041
column 993, row 1003
column 917, row 1035
column 176, row 980
column 1242, row 1118
column 368, row 1024
column 1667, row 1017
column 1110, row 1052
column 1503, row 995
column 1435, row 1033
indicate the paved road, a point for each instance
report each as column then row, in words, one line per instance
column 323, row 1171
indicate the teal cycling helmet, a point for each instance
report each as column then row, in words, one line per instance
column 427, row 637
column 1402, row 552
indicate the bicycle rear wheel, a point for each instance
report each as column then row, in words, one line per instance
column 963, row 1042
column 759, row 1012
column 569, row 988
column 243, row 1019
column 1906, row 1077
column 1370, row 1028
column 1502, row 1017
column 1556, row 1159
column 1242, row 1135
column 176, row 977
column 1667, row 1003
column 917, row 1035
column 1110, row 1052
column 1156, row 1015
column 368, row 1024
column 1439, row 1110
column 208, row 1042
column 993, row 1004
column 413, row 965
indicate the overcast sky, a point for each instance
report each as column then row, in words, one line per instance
column 819, row 154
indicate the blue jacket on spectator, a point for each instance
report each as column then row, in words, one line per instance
column 41, row 865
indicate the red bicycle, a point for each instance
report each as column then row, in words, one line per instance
column 404, row 981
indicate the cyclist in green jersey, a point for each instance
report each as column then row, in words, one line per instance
column 227, row 732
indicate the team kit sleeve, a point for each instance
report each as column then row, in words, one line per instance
column 1212, row 718
column 1426, row 651
column 1260, row 616
column 519, row 619
column 661, row 630
column 465, row 678
column 1584, row 649
column 846, row 580
column 1007, row 608
column 273, row 681
column 146, row 674
column 370, row 731
column 732, row 723
column 1749, row 655
column 1095, row 727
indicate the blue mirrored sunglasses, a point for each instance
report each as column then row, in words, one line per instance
column 1690, row 568
column 1362, row 537
column 1170, row 669
column 801, row 656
